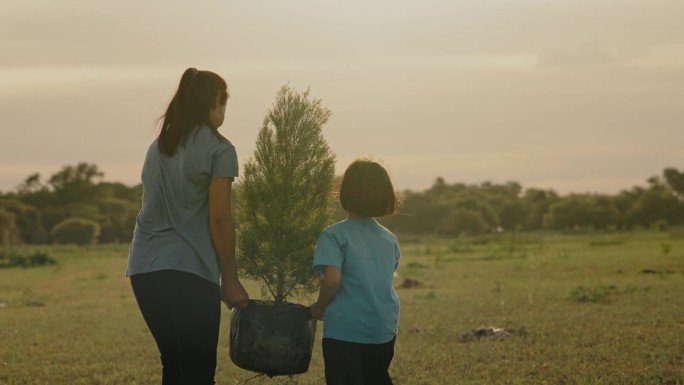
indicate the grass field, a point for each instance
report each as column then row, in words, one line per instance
column 602, row 308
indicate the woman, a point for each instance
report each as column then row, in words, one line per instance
column 182, row 258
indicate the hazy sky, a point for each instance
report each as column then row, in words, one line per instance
column 575, row 95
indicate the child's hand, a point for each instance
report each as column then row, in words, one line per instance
column 317, row 311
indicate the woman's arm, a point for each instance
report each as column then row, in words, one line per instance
column 222, row 227
column 332, row 276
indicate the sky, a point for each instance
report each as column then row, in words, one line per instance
column 572, row 95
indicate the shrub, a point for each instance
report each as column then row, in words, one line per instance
column 14, row 259
column 599, row 294
column 54, row 215
column 76, row 230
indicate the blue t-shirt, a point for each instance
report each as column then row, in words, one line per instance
column 366, row 306
column 172, row 228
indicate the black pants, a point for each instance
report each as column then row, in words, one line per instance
column 183, row 312
column 350, row 363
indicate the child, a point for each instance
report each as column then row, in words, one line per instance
column 358, row 258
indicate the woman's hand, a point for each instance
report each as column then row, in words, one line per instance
column 233, row 294
column 317, row 311
column 222, row 227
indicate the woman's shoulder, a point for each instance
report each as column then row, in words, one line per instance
column 207, row 136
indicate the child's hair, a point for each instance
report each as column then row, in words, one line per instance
column 197, row 94
column 367, row 190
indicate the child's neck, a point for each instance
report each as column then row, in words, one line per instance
column 351, row 215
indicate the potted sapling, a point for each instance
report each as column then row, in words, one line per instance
column 283, row 204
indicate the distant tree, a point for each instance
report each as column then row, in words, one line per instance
column 9, row 232
column 625, row 201
column 675, row 180
column 28, row 220
column 106, row 190
column 603, row 213
column 75, row 183
column 31, row 184
column 511, row 190
column 573, row 211
column 70, row 175
column 512, row 213
column 473, row 200
column 34, row 193
column 657, row 182
column 536, row 203
column 504, row 199
column 419, row 214
column 439, row 189
column 655, row 205
column 463, row 221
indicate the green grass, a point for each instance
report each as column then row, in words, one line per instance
column 582, row 309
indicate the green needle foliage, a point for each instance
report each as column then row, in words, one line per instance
column 283, row 201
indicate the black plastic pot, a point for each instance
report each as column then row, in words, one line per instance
column 272, row 339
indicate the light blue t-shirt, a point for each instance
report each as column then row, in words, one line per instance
column 366, row 306
column 172, row 228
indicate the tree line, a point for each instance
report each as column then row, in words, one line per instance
column 76, row 206
column 453, row 209
column 73, row 206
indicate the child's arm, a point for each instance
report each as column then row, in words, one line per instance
column 332, row 277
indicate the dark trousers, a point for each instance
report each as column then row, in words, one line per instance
column 350, row 363
column 183, row 312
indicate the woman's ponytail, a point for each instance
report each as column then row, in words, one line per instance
column 189, row 107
